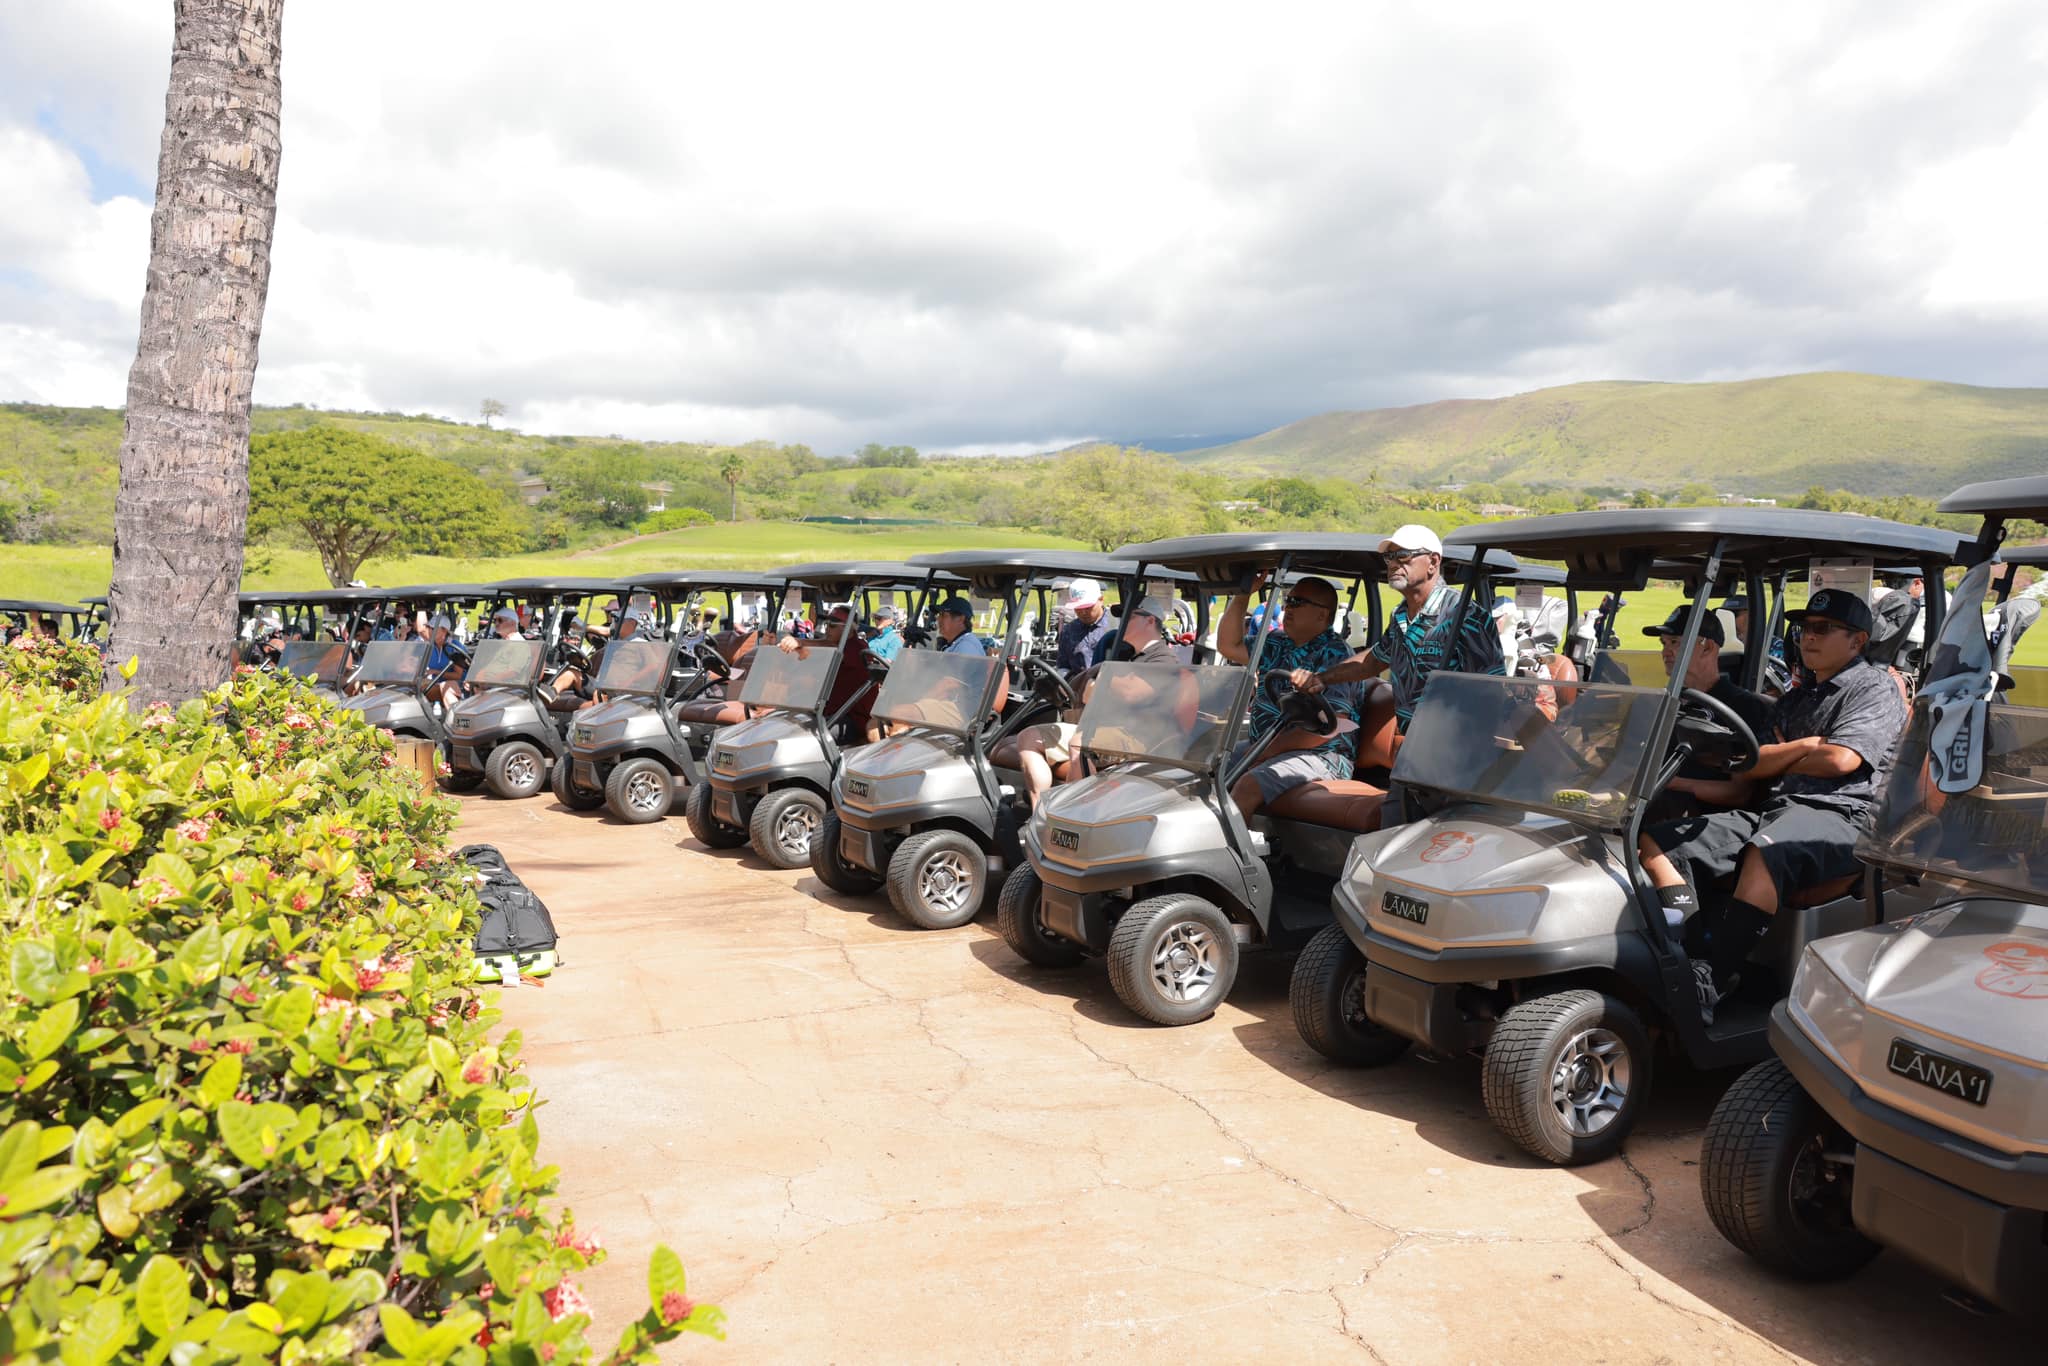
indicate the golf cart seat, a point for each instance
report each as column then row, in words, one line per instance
column 1349, row 803
column 712, row 711
column 733, row 646
column 1821, row 893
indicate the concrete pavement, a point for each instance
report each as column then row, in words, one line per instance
column 869, row 1142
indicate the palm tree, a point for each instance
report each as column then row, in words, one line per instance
column 732, row 469
column 183, row 505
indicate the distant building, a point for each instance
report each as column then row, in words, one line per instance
column 1502, row 510
column 1450, row 488
column 1737, row 500
column 532, row 489
column 1611, row 505
column 1240, row 505
column 657, row 495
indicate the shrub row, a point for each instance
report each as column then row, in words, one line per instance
column 250, row 1106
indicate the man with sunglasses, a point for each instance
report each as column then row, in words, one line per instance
column 1824, row 749
column 1306, row 641
column 1427, row 632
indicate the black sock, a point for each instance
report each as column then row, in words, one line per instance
column 1680, row 899
column 1741, row 926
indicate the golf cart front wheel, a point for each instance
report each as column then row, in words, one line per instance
column 1327, row 993
column 830, row 866
column 571, row 793
column 937, row 879
column 1172, row 958
column 640, row 791
column 1776, row 1178
column 1566, row 1075
column 705, row 827
column 784, row 824
column 461, row 779
column 1022, row 926
column 516, row 770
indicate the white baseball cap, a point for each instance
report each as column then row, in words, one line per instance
column 1413, row 537
column 505, row 614
column 1082, row 592
column 440, row 623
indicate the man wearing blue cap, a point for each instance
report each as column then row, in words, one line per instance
column 956, row 628
column 1823, row 751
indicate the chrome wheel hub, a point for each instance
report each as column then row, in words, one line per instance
column 644, row 792
column 1184, row 962
column 1589, row 1084
column 794, row 828
column 945, row 882
column 522, row 770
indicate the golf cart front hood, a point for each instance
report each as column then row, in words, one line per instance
column 1137, row 811
column 492, row 712
column 1943, row 1016
column 385, row 706
column 609, row 724
column 907, row 770
column 772, row 740
column 1475, row 876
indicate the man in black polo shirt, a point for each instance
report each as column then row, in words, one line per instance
column 1824, row 749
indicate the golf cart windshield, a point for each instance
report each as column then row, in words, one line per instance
column 1995, row 834
column 1488, row 738
column 392, row 661
column 1642, row 668
column 634, row 666
column 505, row 663
column 317, row 661
column 1178, row 713
column 935, row 689
column 784, row 679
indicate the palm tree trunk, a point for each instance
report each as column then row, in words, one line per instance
column 183, row 504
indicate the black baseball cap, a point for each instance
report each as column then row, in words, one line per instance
column 1836, row 605
column 1735, row 602
column 1674, row 626
column 959, row 607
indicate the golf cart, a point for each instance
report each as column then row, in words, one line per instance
column 933, row 811
column 771, row 774
column 321, row 663
column 1515, row 918
column 1146, row 861
column 633, row 750
column 509, row 730
column 71, row 622
column 393, row 681
column 1907, row 1104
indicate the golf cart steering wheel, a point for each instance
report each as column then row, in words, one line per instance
column 1704, row 717
column 1044, row 678
column 1311, row 711
column 714, row 663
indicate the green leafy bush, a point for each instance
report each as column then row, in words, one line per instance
column 674, row 519
column 250, row 1109
column 71, row 666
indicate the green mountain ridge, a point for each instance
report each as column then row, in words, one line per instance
column 1757, row 438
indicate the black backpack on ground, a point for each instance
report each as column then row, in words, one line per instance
column 517, row 937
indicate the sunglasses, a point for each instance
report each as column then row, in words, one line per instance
column 1821, row 626
column 1403, row 556
column 1308, row 602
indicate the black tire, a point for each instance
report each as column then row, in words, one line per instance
column 835, row 872
column 1018, row 923
column 571, row 793
column 456, row 779
column 1767, row 1186
column 1204, row 951
column 1528, row 1048
column 516, row 770
column 773, row 828
column 706, row 828
column 640, row 791
column 938, row 880
column 1327, row 992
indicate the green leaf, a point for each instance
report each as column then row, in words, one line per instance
column 43, row 1186
column 664, row 1274
column 221, row 1081
column 501, row 1259
column 160, row 1188
column 400, row 1329
column 360, row 1237
column 290, row 1013
column 101, row 1333
column 37, row 976
column 529, row 1317
column 140, row 1118
column 20, row 1149
column 201, row 955
column 31, row 770
column 254, row 1133
column 303, row 1302
column 116, row 1206
column 163, row 1296
column 50, row 1028
column 264, row 1317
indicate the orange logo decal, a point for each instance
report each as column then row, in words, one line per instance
column 2017, row 969
column 1448, row 846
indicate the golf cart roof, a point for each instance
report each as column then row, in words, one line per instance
column 30, row 605
column 551, row 587
column 2025, row 554
column 842, row 574
column 1546, row 575
column 2026, row 496
column 307, row 596
column 1232, row 557
column 1624, row 549
column 429, row 590
column 993, row 568
column 707, row 578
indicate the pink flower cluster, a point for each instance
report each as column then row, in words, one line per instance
column 563, row 1300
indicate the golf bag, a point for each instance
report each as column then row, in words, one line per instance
column 517, row 937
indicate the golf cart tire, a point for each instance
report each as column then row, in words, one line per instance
column 1135, row 946
column 618, row 791
column 771, row 811
column 508, row 762
column 1748, row 1163
column 462, row 780
column 706, row 828
column 1524, row 1055
column 1326, row 991
column 571, row 793
column 834, row 871
column 1018, row 922
column 929, row 865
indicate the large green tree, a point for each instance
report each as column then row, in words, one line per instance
column 1112, row 495
column 354, row 497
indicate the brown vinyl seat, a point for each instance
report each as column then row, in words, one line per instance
column 1821, row 893
column 711, row 711
column 1348, row 803
column 1006, row 753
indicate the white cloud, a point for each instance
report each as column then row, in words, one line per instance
column 980, row 228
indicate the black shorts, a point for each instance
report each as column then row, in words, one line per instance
column 1802, row 846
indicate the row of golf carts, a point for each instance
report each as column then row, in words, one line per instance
column 1473, row 888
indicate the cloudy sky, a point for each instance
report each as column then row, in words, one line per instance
column 988, row 227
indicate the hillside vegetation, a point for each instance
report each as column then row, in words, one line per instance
column 1760, row 438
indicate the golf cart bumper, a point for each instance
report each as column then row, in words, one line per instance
column 464, row 757
column 868, row 836
column 1974, row 1215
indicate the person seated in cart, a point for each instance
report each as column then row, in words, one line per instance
column 955, row 620
column 852, row 685
column 1081, row 641
column 445, row 665
column 888, row 637
column 1819, row 773
column 1305, row 645
column 1046, row 751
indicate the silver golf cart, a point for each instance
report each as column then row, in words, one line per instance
column 1907, row 1104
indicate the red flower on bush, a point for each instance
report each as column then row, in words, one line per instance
column 675, row 1307
column 476, row 1072
column 588, row 1244
column 236, row 1046
column 565, row 1299
column 369, row 975
column 196, row 828
column 110, row 818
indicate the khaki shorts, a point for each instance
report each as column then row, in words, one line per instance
column 1054, row 738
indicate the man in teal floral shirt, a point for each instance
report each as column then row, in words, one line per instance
column 1306, row 642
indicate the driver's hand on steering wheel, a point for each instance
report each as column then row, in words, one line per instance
column 1306, row 680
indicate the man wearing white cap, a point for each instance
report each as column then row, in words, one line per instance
column 1081, row 641
column 442, row 664
column 1041, row 747
column 1425, row 634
